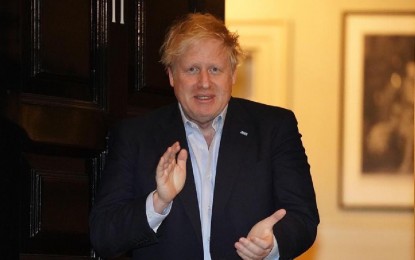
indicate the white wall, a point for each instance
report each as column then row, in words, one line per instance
column 313, row 75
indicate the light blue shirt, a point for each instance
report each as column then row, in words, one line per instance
column 204, row 160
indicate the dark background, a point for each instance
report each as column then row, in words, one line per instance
column 67, row 74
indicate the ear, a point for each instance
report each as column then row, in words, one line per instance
column 234, row 77
column 171, row 79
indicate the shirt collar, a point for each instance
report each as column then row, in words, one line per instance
column 217, row 123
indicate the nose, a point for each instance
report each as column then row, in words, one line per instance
column 204, row 79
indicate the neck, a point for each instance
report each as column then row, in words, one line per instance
column 208, row 133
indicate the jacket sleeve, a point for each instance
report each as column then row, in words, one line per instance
column 118, row 221
column 296, row 232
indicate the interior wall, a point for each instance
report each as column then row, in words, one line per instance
column 314, row 82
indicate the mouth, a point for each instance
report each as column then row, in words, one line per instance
column 203, row 97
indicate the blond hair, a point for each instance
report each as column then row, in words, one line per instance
column 194, row 27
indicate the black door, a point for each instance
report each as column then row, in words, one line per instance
column 70, row 69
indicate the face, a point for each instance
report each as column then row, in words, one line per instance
column 202, row 79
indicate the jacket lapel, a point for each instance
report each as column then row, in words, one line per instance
column 173, row 130
column 236, row 139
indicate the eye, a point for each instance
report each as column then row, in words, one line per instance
column 193, row 70
column 214, row 70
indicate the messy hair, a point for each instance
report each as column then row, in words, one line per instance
column 195, row 27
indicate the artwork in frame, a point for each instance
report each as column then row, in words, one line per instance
column 377, row 157
column 263, row 74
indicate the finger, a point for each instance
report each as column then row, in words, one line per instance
column 168, row 158
column 250, row 249
column 244, row 257
column 275, row 217
column 263, row 244
column 171, row 152
column 242, row 249
column 182, row 158
column 161, row 166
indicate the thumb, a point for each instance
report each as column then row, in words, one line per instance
column 275, row 217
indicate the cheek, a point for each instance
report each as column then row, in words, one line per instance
column 182, row 88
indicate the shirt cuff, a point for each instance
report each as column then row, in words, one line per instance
column 155, row 219
column 275, row 252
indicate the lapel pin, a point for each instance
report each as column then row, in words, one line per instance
column 243, row 133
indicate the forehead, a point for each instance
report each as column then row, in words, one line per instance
column 205, row 49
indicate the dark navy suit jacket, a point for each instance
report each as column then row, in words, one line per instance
column 262, row 167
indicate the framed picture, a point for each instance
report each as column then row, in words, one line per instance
column 263, row 75
column 377, row 157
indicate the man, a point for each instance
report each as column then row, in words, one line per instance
column 212, row 177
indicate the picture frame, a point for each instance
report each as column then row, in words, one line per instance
column 377, row 121
column 263, row 75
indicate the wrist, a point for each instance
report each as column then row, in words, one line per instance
column 158, row 204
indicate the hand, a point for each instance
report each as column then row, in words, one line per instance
column 260, row 240
column 170, row 176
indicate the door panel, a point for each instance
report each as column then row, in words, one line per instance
column 59, row 205
column 58, row 49
column 70, row 69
